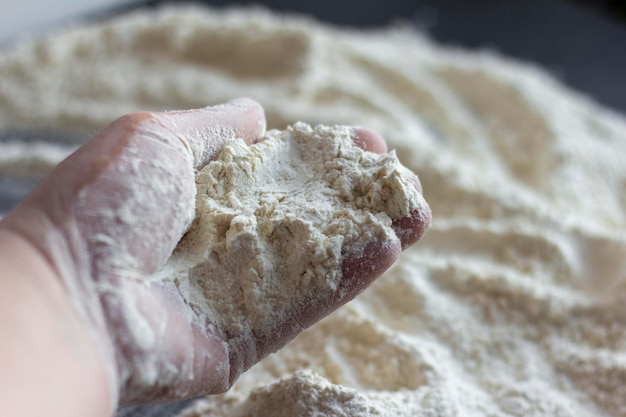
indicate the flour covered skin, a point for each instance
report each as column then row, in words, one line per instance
column 276, row 220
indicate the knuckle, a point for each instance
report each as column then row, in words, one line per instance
column 132, row 120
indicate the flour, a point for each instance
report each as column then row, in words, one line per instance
column 275, row 220
column 512, row 305
column 307, row 394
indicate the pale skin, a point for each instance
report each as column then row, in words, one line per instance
column 66, row 347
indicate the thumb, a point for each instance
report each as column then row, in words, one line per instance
column 204, row 131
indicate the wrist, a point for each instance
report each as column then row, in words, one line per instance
column 47, row 349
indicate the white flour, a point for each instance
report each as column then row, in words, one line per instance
column 275, row 220
column 512, row 305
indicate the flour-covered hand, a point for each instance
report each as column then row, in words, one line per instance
column 110, row 216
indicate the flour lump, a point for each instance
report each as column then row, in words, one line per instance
column 276, row 219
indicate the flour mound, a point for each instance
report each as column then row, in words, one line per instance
column 307, row 394
column 275, row 220
column 511, row 305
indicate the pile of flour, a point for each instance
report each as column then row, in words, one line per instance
column 275, row 220
column 512, row 305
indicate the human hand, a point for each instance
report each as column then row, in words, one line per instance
column 110, row 215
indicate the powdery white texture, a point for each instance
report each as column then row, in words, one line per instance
column 275, row 220
column 305, row 393
column 512, row 305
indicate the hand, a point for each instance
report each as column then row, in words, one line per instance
column 112, row 213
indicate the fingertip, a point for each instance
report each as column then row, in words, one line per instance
column 249, row 122
column 368, row 140
column 412, row 228
column 358, row 272
column 409, row 229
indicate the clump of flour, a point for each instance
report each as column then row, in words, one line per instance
column 275, row 220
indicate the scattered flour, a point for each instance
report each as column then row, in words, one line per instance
column 512, row 305
column 275, row 220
